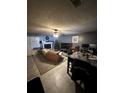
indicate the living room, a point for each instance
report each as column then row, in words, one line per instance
column 42, row 59
column 61, row 33
column 38, row 41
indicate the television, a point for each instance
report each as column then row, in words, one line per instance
column 66, row 45
column 85, row 45
column 92, row 45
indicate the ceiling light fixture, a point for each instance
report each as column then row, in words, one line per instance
column 76, row 3
column 56, row 34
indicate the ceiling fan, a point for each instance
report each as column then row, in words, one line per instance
column 76, row 3
column 57, row 32
column 54, row 30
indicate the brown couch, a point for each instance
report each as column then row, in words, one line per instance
column 52, row 55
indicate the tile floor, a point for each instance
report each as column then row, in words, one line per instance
column 56, row 80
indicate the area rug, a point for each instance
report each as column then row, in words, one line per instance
column 43, row 64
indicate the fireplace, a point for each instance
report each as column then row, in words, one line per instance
column 47, row 45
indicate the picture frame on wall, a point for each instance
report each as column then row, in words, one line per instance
column 75, row 39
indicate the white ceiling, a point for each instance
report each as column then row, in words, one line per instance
column 45, row 15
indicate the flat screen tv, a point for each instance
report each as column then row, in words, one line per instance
column 92, row 45
column 85, row 45
column 66, row 45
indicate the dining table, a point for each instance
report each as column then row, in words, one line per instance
column 91, row 59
